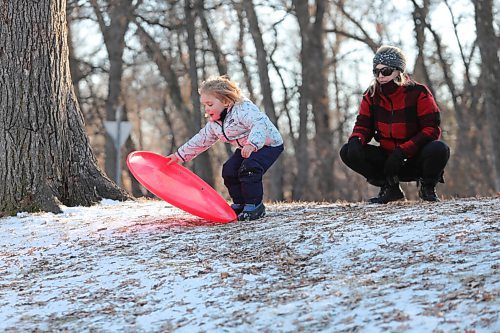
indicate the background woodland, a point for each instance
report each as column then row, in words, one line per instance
column 304, row 63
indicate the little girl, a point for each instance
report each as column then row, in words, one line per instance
column 236, row 120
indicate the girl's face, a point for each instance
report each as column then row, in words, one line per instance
column 213, row 106
column 385, row 74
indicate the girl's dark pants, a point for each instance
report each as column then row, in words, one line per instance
column 243, row 176
column 427, row 165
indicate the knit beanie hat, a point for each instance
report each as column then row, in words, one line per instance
column 390, row 56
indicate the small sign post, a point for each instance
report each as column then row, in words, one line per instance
column 119, row 131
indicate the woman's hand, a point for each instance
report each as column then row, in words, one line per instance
column 172, row 158
column 393, row 165
column 247, row 150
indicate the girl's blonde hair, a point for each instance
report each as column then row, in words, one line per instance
column 222, row 88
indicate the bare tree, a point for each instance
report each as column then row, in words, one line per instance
column 420, row 72
column 202, row 166
column 45, row 155
column 458, row 96
column 310, row 80
column 119, row 14
column 470, row 149
column 190, row 113
column 314, row 96
column 363, row 35
column 490, row 72
column 276, row 172
column 301, row 181
column 220, row 57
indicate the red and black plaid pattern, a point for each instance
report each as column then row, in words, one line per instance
column 403, row 116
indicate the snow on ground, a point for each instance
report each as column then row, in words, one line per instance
column 145, row 266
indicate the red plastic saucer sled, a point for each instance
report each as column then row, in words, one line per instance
column 178, row 186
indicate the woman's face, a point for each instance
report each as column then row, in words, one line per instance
column 384, row 73
column 213, row 106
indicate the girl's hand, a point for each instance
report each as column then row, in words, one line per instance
column 247, row 150
column 173, row 159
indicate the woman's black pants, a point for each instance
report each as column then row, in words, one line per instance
column 428, row 165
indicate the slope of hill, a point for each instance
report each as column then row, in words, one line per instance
column 307, row 267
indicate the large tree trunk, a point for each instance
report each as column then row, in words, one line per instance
column 488, row 48
column 45, row 154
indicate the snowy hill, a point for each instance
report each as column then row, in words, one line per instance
column 307, row 267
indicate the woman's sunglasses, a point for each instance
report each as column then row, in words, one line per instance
column 385, row 71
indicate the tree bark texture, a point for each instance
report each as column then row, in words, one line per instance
column 45, row 156
column 320, row 103
column 420, row 72
column 467, row 141
column 201, row 165
column 490, row 71
column 301, row 181
column 315, row 90
column 276, row 172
